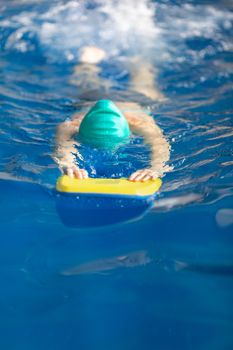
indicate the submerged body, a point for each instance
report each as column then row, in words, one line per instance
column 132, row 120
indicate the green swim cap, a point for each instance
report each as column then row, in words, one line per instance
column 104, row 126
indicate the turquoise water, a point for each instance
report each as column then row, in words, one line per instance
column 163, row 281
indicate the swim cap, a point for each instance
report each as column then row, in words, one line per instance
column 104, row 126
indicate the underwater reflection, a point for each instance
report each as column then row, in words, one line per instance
column 222, row 270
column 132, row 259
column 142, row 258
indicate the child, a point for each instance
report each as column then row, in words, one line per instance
column 109, row 125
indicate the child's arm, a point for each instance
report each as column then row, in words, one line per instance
column 65, row 150
column 144, row 125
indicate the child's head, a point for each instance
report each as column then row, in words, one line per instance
column 104, row 126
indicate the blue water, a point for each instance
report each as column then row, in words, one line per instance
column 163, row 281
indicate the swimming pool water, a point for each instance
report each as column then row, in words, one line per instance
column 163, row 281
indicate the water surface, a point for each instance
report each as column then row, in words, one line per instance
column 164, row 281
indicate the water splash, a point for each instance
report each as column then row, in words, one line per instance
column 162, row 32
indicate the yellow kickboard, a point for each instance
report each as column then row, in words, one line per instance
column 108, row 186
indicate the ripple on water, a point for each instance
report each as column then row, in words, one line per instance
column 190, row 55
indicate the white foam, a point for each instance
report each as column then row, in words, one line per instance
column 134, row 27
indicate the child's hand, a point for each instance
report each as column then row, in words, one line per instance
column 144, row 175
column 74, row 172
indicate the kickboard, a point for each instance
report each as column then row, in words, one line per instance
column 112, row 187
